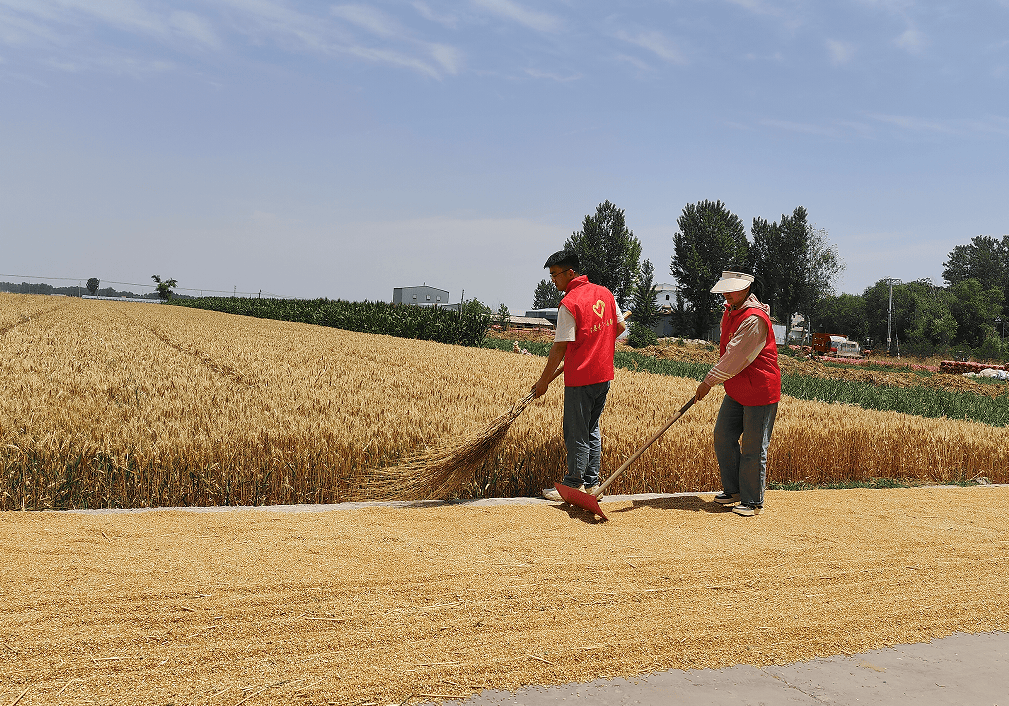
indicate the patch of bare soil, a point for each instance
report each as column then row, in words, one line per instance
column 944, row 381
column 520, row 335
column 690, row 353
column 391, row 606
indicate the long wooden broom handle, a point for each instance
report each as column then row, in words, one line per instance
column 634, row 456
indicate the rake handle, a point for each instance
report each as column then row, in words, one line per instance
column 634, row 456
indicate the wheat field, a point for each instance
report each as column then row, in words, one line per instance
column 115, row 404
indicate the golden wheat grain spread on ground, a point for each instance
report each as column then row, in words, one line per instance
column 378, row 605
column 117, row 404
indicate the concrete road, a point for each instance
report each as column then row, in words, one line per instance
column 960, row 669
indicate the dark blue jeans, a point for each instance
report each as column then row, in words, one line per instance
column 583, row 406
column 742, row 435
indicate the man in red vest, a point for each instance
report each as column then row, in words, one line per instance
column 748, row 368
column 588, row 324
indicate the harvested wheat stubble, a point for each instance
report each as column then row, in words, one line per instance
column 380, row 604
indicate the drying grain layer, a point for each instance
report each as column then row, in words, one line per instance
column 112, row 404
column 381, row 605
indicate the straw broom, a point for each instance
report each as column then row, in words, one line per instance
column 440, row 473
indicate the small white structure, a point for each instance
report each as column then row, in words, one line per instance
column 665, row 295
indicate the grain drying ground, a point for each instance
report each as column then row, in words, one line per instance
column 111, row 404
column 383, row 606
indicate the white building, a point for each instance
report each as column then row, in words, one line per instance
column 420, row 296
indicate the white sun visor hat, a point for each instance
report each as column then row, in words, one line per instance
column 732, row 282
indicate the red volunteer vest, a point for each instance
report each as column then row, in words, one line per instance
column 589, row 358
column 759, row 383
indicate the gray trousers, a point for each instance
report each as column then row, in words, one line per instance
column 583, row 406
column 742, row 435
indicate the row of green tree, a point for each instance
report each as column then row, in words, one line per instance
column 969, row 312
column 74, row 291
column 163, row 289
column 795, row 268
column 794, row 265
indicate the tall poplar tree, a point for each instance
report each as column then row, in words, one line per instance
column 709, row 239
column 608, row 251
column 794, row 264
column 546, row 296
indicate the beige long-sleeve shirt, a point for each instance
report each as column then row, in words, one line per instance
column 743, row 348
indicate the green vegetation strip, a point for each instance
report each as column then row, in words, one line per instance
column 425, row 323
column 917, row 400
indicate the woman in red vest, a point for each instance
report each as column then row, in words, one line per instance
column 588, row 324
column 748, row 368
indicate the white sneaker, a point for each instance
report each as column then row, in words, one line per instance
column 552, row 495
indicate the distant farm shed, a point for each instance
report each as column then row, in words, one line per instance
column 529, row 322
column 548, row 314
column 420, row 296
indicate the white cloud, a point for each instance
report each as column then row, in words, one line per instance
column 840, row 52
column 539, row 21
column 912, row 41
column 48, row 20
column 777, row 57
column 989, row 125
column 63, row 28
column 391, row 58
column 535, row 73
column 194, row 27
column 790, row 12
column 18, row 30
column 635, row 62
column 425, row 11
column 805, row 128
column 755, row 6
column 657, row 43
column 448, row 57
column 111, row 64
column 267, row 20
column 369, row 18
column 916, row 124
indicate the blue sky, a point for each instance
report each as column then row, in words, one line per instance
column 343, row 149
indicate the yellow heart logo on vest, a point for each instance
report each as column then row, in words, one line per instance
column 599, row 307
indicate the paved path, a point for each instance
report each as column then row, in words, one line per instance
column 349, row 506
column 960, row 669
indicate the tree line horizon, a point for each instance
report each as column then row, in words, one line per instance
column 795, row 267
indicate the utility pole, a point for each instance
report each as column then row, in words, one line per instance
column 889, row 317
